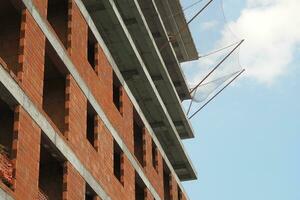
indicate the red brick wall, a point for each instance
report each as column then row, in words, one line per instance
column 31, row 58
column 27, row 134
column 74, row 184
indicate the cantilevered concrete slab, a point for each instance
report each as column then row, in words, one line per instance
column 161, row 37
column 130, row 62
column 176, row 25
column 137, row 26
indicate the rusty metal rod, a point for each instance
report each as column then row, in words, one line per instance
column 185, row 27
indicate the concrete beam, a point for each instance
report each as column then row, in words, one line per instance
column 4, row 195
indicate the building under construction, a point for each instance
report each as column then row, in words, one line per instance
column 91, row 94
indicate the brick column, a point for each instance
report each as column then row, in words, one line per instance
column 73, row 184
column 31, row 58
column 26, row 145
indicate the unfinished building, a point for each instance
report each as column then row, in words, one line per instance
column 90, row 100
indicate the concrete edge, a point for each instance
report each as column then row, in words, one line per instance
column 4, row 195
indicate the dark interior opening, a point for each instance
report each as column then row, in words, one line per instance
column 90, row 124
column 90, row 194
column 91, row 49
column 118, row 162
column 179, row 193
column 6, row 141
column 10, row 23
column 57, row 15
column 117, row 93
column 139, row 188
column 154, row 156
column 166, row 179
column 138, row 132
column 50, row 172
column 54, row 88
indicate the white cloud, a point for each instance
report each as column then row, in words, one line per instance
column 209, row 25
column 272, row 32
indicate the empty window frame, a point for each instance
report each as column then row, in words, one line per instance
column 118, row 160
column 140, row 188
column 90, row 194
column 51, row 172
column 138, row 132
column 117, row 93
column 91, row 49
column 57, row 15
column 54, row 88
column 167, row 182
column 10, row 23
column 179, row 193
column 91, row 125
column 154, row 151
column 6, row 142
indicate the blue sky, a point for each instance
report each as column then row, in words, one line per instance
column 248, row 139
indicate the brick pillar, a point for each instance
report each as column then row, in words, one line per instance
column 77, row 34
column 73, row 184
column 129, row 179
column 105, row 73
column 26, row 145
column 145, row 159
column 31, row 58
column 148, row 195
column 75, row 112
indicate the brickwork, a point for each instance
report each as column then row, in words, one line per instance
column 65, row 106
column 74, row 185
column 27, row 156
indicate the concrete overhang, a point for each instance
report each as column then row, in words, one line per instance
column 161, row 37
column 137, row 26
column 140, row 79
column 174, row 20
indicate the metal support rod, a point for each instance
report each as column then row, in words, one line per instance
column 217, row 51
column 188, row 7
column 186, row 27
column 216, row 67
column 216, row 94
column 200, row 11
column 191, row 103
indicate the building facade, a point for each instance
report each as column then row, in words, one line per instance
column 90, row 100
